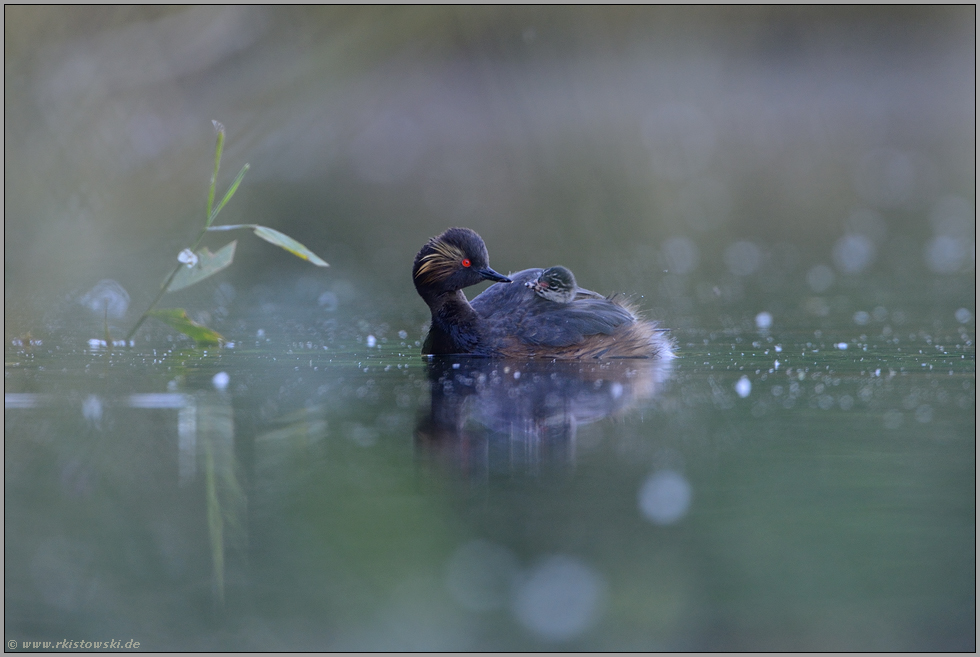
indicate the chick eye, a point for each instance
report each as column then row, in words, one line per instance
column 466, row 262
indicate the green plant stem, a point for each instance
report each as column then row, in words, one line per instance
column 208, row 219
column 163, row 288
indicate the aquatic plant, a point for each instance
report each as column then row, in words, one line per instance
column 195, row 265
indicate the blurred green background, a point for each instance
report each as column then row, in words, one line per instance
column 715, row 161
column 790, row 190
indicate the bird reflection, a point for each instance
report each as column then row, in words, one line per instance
column 510, row 416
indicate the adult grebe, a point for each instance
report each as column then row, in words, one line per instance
column 510, row 320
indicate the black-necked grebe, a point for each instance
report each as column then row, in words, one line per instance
column 558, row 284
column 511, row 320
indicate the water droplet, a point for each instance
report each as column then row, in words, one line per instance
column 92, row 408
column 561, row 599
column 853, row 253
column 187, row 257
column 743, row 387
column 107, row 296
column 328, row 301
column 945, row 254
column 665, row 497
column 820, row 278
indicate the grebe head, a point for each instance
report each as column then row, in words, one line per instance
column 555, row 284
column 454, row 260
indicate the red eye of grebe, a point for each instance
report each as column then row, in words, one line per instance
column 466, row 262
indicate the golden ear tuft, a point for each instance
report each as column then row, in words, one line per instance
column 440, row 263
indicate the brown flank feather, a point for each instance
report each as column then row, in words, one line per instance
column 639, row 339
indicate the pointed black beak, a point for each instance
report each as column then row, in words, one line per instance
column 491, row 275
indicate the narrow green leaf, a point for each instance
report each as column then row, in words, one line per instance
column 215, row 229
column 231, row 192
column 176, row 318
column 215, row 522
column 286, row 242
column 208, row 264
column 217, row 161
column 105, row 326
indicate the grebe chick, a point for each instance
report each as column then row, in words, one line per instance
column 512, row 321
column 558, row 284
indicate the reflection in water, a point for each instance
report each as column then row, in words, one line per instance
column 865, row 460
column 186, row 428
column 224, row 495
column 205, row 442
column 206, row 434
column 507, row 415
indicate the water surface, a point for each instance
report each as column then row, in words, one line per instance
column 346, row 497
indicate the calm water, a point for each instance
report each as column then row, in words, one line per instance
column 791, row 190
column 335, row 496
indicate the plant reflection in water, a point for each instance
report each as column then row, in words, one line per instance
column 507, row 415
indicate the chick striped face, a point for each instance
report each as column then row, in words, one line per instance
column 554, row 284
column 443, row 261
column 558, row 278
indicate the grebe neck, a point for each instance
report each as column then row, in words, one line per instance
column 455, row 325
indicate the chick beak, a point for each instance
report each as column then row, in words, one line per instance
column 491, row 275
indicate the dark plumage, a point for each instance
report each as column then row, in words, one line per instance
column 509, row 320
